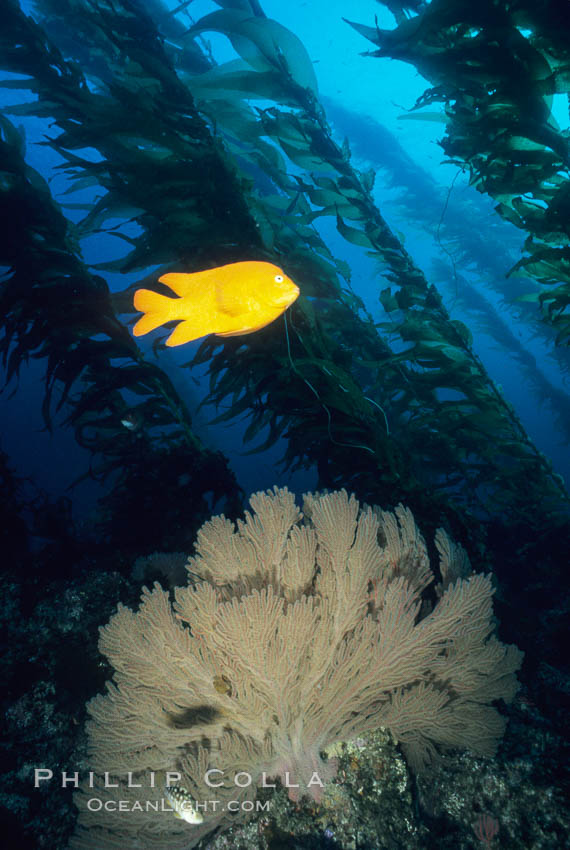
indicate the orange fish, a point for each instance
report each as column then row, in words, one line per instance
column 236, row 299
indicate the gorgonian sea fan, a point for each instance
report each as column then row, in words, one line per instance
column 297, row 630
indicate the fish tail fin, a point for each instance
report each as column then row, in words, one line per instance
column 157, row 309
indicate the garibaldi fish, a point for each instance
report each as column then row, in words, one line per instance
column 230, row 300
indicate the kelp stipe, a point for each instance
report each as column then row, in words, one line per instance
column 95, row 375
column 440, row 354
column 496, row 68
column 313, row 390
column 491, row 251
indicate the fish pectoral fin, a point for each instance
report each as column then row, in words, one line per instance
column 227, row 301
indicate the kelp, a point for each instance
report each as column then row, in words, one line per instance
column 449, row 217
column 485, row 316
column 54, row 309
column 438, row 354
column 175, row 222
column 496, row 68
column 205, row 172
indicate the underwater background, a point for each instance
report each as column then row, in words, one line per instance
column 407, row 165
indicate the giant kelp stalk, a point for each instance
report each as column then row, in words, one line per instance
column 438, row 354
column 485, row 316
column 448, row 214
column 496, row 67
column 54, row 308
column 171, row 173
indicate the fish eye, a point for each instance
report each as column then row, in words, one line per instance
column 278, row 278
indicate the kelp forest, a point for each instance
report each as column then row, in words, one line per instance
column 190, row 163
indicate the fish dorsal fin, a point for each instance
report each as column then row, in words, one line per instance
column 181, row 284
column 188, row 284
column 228, row 299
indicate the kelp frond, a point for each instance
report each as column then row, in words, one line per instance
column 54, row 309
column 496, row 67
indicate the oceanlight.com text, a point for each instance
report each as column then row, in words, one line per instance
column 95, row 804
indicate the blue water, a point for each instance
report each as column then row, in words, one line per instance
column 365, row 98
